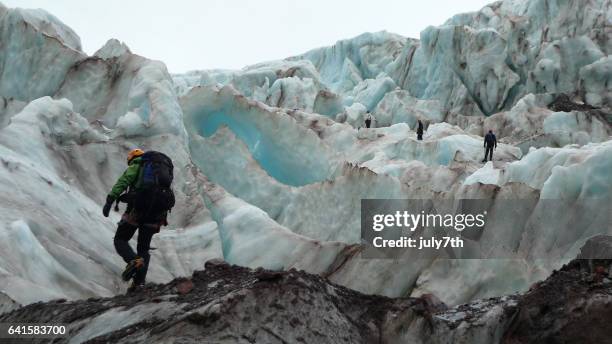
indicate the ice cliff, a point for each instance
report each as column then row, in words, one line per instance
column 271, row 164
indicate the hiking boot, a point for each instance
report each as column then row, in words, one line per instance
column 135, row 287
column 131, row 268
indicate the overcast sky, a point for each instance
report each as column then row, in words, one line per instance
column 205, row 34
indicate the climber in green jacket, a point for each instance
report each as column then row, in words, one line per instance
column 137, row 262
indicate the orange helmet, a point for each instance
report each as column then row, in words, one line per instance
column 134, row 153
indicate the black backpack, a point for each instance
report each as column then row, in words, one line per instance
column 153, row 194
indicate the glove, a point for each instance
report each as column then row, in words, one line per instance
column 107, row 206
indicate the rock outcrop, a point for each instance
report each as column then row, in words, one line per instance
column 230, row 304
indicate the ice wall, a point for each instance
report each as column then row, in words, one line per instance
column 37, row 51
column 475, row 64
column 56, row 169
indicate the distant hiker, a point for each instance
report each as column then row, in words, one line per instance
column 368, row 120
column 149, row 198
column 419, row 130
column 490, row 143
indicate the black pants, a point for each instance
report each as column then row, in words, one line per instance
column 419, row 136
column 489, row 152
column 125, row 232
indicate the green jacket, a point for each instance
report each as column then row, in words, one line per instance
column 128, row 179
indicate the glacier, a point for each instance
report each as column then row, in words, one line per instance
column 273, row 160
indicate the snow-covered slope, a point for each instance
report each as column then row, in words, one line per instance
column 271, row 162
